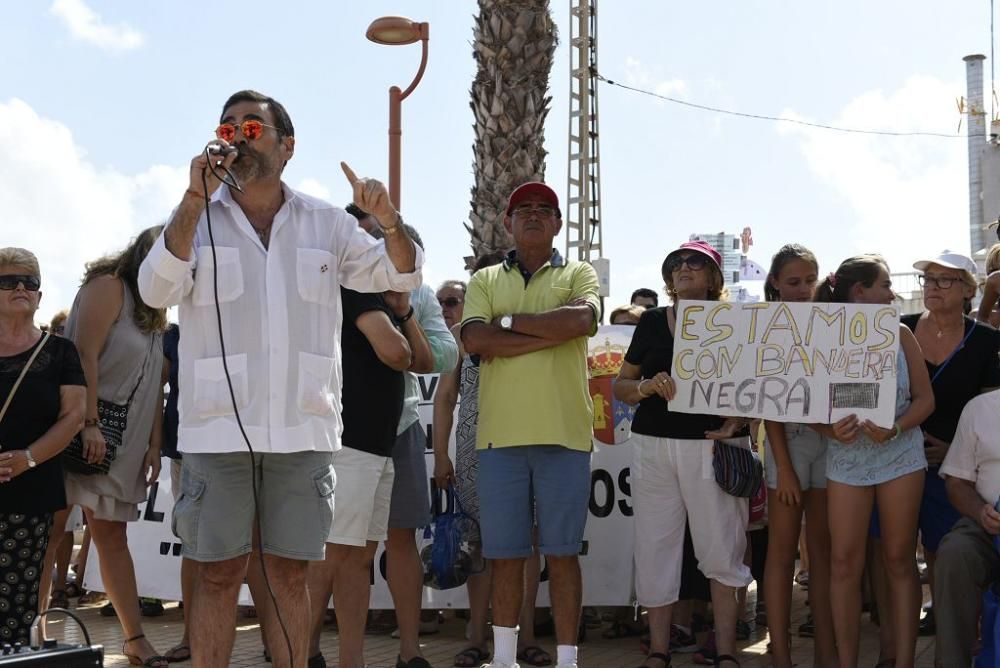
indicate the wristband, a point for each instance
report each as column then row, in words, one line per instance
column 898, row 431
column 409, row 314
column 639, row 388
column 91, row 422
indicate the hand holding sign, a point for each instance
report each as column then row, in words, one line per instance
column 371, row 196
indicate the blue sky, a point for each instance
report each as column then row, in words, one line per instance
column 102, row 105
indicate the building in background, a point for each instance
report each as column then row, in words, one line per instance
column 728, row 246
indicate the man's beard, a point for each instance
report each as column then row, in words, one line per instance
column 251, row 165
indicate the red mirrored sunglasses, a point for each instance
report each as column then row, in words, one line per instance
column 251, row 129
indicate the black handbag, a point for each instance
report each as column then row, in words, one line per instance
column 112, row 419
column 738, row 471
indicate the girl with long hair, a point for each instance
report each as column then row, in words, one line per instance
column 795, row 463
column 868, row 464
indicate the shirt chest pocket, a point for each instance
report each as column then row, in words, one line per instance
column 224, row 267
column 315, row 272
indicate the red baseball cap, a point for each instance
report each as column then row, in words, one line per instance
column 532, row 189
column 698, row 246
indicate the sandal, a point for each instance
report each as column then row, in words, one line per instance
column 726, row 657
column 92, row 598
column 59, row 599
column 153, row 661
column 178, row 654
column 533, row 655
column 471, row 657
column 657, row 656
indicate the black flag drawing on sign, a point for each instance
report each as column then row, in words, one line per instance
column 852, row 395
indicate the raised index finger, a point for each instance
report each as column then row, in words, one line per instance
column 349, row 173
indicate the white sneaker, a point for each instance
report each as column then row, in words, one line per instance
column 500, row 665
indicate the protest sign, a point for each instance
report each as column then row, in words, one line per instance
column 790, row 362
column 606, row 556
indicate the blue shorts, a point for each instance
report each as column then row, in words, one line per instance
column 520, row 483
column 937, row 515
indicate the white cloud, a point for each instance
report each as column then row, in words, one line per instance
column 638, row 75
column 57, row 204
column 313, row 187
column 87, row 26
column 909, row 194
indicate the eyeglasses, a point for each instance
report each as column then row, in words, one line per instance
column 251, row 129
column 942, row 282
column 450, row 302
column 541, row 209
column 11, row 281
column 694, row 262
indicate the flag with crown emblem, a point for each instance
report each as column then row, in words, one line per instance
column 612, row 418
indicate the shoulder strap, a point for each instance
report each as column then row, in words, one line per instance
column 954, row 352
column 24, row 372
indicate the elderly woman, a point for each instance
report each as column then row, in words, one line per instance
column 41, row 415
column 670, row 485
column 962, row 361
column 120, row 342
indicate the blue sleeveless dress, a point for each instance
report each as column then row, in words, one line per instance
column 865, row 462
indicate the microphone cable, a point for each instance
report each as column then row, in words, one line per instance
column 232, row 393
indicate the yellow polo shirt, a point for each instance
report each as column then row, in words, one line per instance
column 539, row 398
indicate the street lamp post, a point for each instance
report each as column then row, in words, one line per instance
column 394, row 30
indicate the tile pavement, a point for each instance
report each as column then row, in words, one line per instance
column 440, row 648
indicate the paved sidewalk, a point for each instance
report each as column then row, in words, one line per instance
column 440, row 648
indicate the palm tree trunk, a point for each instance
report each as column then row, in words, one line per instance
column 514, row 42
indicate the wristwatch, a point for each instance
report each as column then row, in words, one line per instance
column 507, row 322
column 31, row 460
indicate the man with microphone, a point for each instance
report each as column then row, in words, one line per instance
column 264, row 264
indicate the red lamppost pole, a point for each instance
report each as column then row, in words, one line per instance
column 394, row 30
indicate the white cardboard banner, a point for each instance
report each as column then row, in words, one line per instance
column 790, row 362
column 606, row 556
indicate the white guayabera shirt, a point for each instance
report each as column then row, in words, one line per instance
column 281, row 317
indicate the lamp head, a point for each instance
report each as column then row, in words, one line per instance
column 395, row 30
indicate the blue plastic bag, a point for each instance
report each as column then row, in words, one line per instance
column 448, row 561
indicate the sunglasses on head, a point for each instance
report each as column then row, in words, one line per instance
column 450, row 302
column 251, row 129
column 11, row 281
column 694, row 262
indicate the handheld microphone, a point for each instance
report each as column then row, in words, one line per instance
column 219, row 149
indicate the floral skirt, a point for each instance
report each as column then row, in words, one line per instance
column 23, row 539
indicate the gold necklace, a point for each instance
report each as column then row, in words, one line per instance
column 941, row 332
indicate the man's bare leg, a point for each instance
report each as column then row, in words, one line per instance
column 405, row 576
column 288, row 582
column 351, row 592
column 213, row 611
column 566, row 591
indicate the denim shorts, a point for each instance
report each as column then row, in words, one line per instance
column 214, row 514
column 520, row 484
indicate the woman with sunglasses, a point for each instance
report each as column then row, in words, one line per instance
column 670, row 486
column 37, row 421
column 869, row 465
column 121, row 346
column 962, row 360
